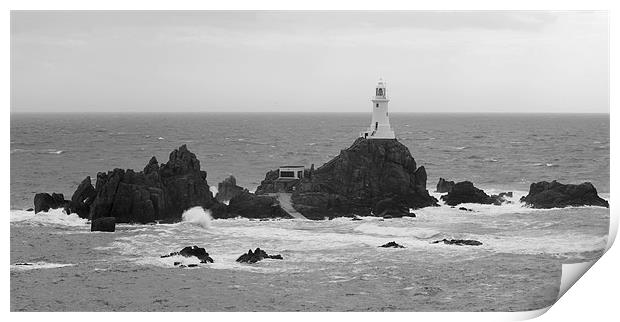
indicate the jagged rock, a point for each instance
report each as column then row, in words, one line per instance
column 82, row 198
column 249, row 205
column 158, row 193
column 45, row 201
column 459, row 242
column 228, row 189
column 357, row 179
column 557, row 195
column 465, row 192
column 103, row 224
column 392, row 244
column 444, row 186
column 257, row 255
column 195, row 251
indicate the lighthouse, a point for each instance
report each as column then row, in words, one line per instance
column 380, row 124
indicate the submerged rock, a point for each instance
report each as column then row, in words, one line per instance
column 465, row 192
column 356, row 180
column 228, row 189
column 444, row 186
column 255, row 256
column 459, row 242
column 194, row 251
column 392, row 244
column 45, row 201
column 103, row 224
column 557, row 195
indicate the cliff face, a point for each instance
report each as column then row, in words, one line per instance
column 362, row 175
column 156, row 193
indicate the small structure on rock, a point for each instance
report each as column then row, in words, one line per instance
column 291, row 172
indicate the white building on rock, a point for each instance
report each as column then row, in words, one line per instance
column 380, row 125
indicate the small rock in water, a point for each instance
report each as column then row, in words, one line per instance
column 195, row 251
column 29, row 209
column 192, row 265
column 23, row 264
column 459, row 242
column 257, row 255
column 177, row 263
column 356, row 218
column 392, row 244
column 465, row 209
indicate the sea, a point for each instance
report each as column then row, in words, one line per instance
column 330, row 265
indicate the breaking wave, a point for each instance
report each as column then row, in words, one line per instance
column 198, row 216
column 51, row 217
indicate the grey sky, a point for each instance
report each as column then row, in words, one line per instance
column 309, row 61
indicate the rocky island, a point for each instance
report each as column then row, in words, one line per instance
column 368, row 174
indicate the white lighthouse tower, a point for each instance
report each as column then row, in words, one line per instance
column 380, row 125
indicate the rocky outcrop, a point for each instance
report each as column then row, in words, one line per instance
column 444, row 186
column 45, row 201
column 459, row 242
column 465, row 192
column 194, row 251
column 557, row 195
column 258, row 255
column 158, row 193
column 103, row 224
column 357, row 179
column 228, row 189
column 249, row 205
column 392, row 244
column 82, row 198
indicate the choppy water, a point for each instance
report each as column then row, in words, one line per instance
column 328, row 265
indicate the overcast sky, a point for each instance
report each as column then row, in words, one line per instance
column 309, row 61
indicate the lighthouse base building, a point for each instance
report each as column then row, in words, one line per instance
column 380, row 124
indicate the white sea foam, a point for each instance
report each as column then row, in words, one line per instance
column 198, row 216
column 52, row 217
column 213, row 190
column 36, row 265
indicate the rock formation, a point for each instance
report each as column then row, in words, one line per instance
column 158, row 193
column 356, row 180
column 228, row 189
column 444, row 186
column 249, row 205
column 557, row 195
column 465, row 192
column 103, row 224
column 194, row 251
column 258, row 255
column 82, row 198
column 459, row 242
column 45, row 201
column 392, row 244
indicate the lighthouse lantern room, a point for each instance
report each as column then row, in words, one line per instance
column 380, row 125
